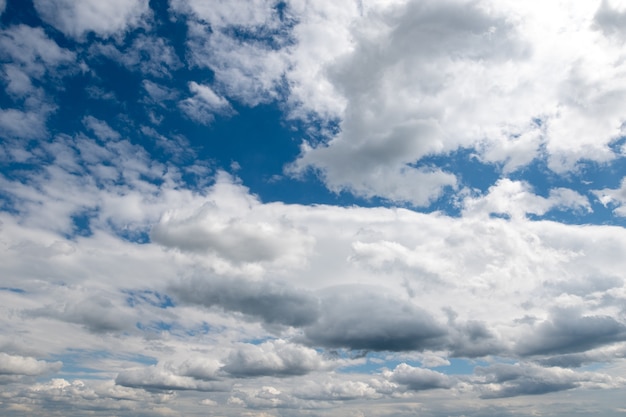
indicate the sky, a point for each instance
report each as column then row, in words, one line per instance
column 321, row 208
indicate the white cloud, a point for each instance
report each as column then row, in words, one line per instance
column 272, row 358
column 341, row 279
column 204, row 104
column 24, row 124
column 33, row 50
column 19, row 365
column 151, row 55
column 418, row 379
column 106, row 19
column 503, row 78
column 236, row 12
column 237, row 228
column 516, row 198
column 100, row 128
column 614, row 198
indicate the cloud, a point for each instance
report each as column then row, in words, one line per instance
column 272, row 358
column 76, row 19
column 336, row 390
column 443, row 82
column 100, row 128
column 150, row 55
column 32, row 50
column 204, row 104
column 236, row 228
column 24, row 124
column 516, row 199
column 96, row 313
column 418, row 379
column 569, row 332
column 85, row 397
column 162, row 379
column 610, row 20
column 271, row 302
column 26, row 366
column 505, row 380
column 615, row 198
column 386, row 128
column 358, row 319
column 249, row 69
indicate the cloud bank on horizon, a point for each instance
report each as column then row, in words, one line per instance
column 312, row 208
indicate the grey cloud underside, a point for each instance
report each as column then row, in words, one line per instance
column 418, row 379
column 271, row 302
column 154, row 379
column 506, row 380
column 96, row 313
column 568, row 332
column 350, row 318
column 368, row 321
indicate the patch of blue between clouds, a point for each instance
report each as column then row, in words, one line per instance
column 13, row 290
column 153, row 298
column 587, row 177
column 74, row 361
column 176, row 329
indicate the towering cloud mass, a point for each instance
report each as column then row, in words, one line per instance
column 290, row 208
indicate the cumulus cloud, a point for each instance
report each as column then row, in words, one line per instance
column 337, row 390
column 155, row 378
column 614, row 198
column 26, row 366
column 505, row 380
column 357, row 319
column 443, row 82
column 610, row 20
column 236, row 228
column 249, row 69
column 204, row 103
column 76, row 19
column 97, row 313
column 386, row 132
column 271, row 302
column 516, row 199
column 272, row 358
column 568, row 332
column 418, row 379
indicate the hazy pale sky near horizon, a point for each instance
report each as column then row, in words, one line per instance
column 312, row 208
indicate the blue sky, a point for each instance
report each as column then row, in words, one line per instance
column 312, row 208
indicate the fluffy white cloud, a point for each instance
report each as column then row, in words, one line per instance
column 493, row 76
column 615, row 198
column 516, row 199
column 204, row 103
column 103, row 18
column 418, row 379
column 272, row 358
column 19, row 365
